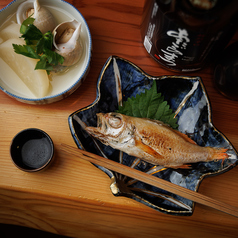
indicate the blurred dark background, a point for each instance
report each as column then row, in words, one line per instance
column 12, row 231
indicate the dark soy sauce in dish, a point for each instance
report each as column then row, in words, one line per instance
column 31, row 150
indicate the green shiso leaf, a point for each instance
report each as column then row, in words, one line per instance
column 149, row 104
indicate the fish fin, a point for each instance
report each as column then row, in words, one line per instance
column 182, row 166
column 185, row 137
column 148, row 149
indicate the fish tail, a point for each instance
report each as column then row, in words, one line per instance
column 220, row 154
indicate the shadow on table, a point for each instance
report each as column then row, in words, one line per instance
column 12, row 231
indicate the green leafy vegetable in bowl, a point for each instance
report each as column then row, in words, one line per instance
column 38, row 46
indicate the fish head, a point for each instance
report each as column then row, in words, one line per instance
column 109, row 126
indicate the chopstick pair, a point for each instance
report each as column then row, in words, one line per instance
column 152, row 180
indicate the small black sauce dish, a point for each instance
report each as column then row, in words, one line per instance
column 32, row 150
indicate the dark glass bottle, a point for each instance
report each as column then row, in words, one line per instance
column 184, row 35
column 226, row 72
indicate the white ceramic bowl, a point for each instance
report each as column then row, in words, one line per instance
column 61, row 85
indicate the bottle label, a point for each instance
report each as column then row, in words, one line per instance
column 176, row 49
column 174, row 45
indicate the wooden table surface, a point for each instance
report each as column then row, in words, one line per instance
column 72, row 197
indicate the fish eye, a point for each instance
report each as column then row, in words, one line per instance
column 115, row 121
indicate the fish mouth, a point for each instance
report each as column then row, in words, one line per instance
column 96, row 131
column 100, row 121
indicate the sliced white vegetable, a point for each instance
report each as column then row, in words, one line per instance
column 36, row 80
column 11, row 82
column 11, row 31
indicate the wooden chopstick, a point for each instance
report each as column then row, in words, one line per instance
column 152, row 180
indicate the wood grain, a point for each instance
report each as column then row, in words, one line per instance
column 72, row 197
column 151, row 180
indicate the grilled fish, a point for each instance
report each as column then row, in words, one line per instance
column 152, row 141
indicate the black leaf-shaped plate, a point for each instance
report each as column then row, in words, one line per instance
column 121, row 79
